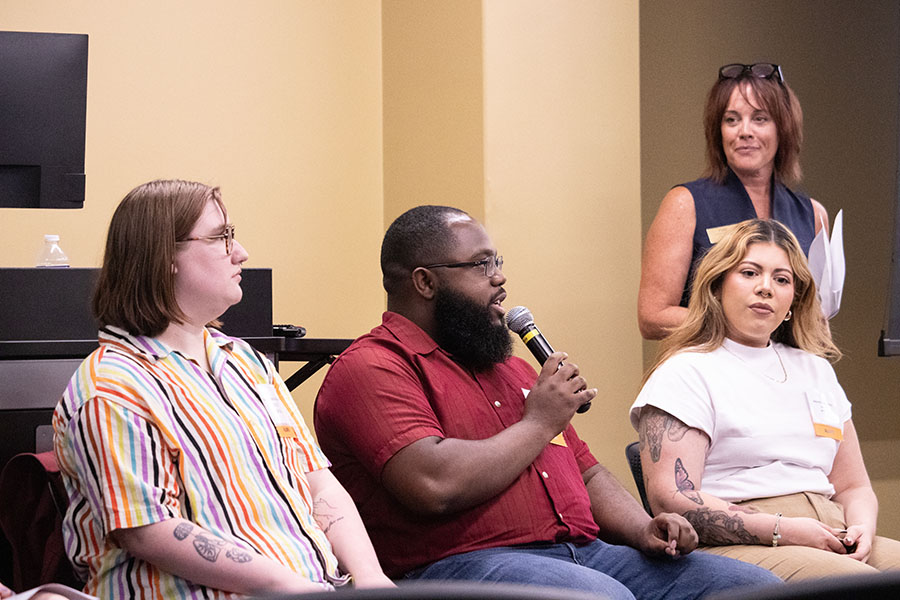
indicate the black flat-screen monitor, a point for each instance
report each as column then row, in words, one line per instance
column 43, row 109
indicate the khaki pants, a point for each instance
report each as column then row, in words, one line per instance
column 801, row 562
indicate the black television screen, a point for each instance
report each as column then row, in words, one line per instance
column 43, row 107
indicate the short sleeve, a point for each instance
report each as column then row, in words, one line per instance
column 580, row 450
column 372, row 404
column 839, row 398
column 121, row 466
column 678, row 388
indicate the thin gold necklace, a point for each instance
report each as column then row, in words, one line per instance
column 769, row 377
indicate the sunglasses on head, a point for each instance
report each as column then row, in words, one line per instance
column 761, row 70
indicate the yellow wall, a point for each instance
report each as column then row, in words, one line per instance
column 278, row 102
column 323, row 120
column 841, row 60
column 562, row 181
column 433, row 105
column 503, row 108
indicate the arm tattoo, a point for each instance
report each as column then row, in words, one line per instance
column 325, row 515
column 684, row 484
column 718, row 528
column 238, row 555
column 182, row 530
column 654, row 423
column 210, row 547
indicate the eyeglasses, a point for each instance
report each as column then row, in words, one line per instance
column 761, row 70
column 491, row 265
column 228, row 236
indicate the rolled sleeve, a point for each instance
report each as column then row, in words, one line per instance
column 122, row 468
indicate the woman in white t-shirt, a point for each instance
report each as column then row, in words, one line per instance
column 743, row 426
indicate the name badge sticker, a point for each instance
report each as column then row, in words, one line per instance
column 284, row 424
column 825, row 421
column 717, row 233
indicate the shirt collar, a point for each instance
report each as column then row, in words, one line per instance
column 408, row 333
column 151, row 348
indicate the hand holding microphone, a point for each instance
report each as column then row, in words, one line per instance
column 520, row 320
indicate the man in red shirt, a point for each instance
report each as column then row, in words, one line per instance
column 463, row 462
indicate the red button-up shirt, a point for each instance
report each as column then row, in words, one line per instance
column 394, row 386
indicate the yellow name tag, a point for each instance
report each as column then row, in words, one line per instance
column 828, row 431
column 286, row 431
column 824, row 419
column 284, row 424
column 717, row 233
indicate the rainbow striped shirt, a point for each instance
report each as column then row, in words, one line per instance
column 144, row 434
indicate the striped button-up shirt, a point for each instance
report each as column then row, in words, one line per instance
column 144, row 434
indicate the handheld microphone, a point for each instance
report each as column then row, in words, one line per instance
column 520, row 320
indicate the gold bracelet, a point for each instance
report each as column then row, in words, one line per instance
column 776, row 533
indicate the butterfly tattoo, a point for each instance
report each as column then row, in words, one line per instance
column 684, row 484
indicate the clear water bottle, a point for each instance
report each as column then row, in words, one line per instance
column 51, row 254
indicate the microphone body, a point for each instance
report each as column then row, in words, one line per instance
column 536, row 342
column 520, row 321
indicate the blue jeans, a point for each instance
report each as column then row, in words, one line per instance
column 600, row 568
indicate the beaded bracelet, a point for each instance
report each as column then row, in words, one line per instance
column 776, row 533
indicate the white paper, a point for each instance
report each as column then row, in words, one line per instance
column 826, row 262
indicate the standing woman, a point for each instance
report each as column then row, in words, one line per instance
column 754, row 130
column 189, row 470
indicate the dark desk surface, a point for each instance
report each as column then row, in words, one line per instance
column 288, row 349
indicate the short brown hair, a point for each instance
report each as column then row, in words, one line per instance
column 703, row 330
column 776, row 98
column 136, row 287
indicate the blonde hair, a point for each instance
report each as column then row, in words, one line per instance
column 704, row 328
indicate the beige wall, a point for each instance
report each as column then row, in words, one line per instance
column 562, row 189
column 279, row 102
column 842, row 61
column 323, row 120
column 433, row 105
column 504, row 108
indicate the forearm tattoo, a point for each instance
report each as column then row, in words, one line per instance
column 182, row 530
column 718, row 528
column 210, row 547
column 325, row 515
column 684, row 484
column 654, row 423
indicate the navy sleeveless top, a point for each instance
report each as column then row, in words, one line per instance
column 717, row 205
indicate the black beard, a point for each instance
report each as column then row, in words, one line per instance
column 466, row 331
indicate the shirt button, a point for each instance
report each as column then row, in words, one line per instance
column 544, row 474
column 560, row 516
column 497, row 403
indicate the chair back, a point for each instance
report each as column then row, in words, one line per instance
column 33, row 503
column 633, row 454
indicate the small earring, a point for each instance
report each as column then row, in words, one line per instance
column 789, row 315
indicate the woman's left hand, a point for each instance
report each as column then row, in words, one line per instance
column 862, row 537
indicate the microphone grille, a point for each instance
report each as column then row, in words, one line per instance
column 518, row 317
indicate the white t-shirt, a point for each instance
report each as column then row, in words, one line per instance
column 763, row 441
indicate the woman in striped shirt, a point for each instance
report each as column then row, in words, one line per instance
column 190, row 471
